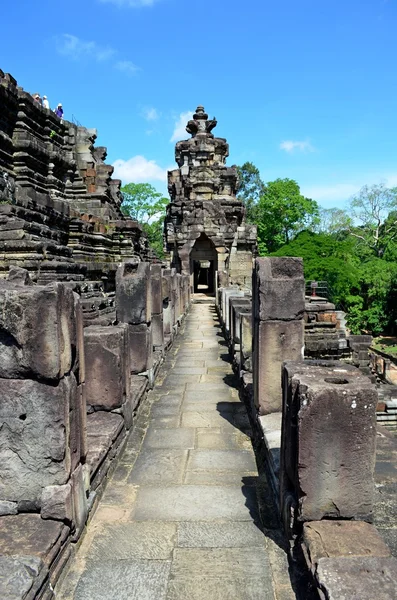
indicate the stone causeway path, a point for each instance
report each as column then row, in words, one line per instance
column 179, row 519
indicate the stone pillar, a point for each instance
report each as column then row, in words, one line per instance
column 157, row 306
column 133, row 306
column 278, row 309
column 42, row 409
column 328, row 442
column 359, row 345
column 178, row 294
column 246, row 342
column 226, row 294
column 108, row 369
column 236, row 305
column 173, row 284
column 166, row 294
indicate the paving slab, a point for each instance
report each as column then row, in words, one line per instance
column 225, row 589
column 240, row 461
column 218, row 478
column 206, row 419
column 170, row 438
column 238, row 534
column 218, row 563
column 124, row 580
column 216, row 439
column 126, row 541
column 158, row 466
column 194, row 503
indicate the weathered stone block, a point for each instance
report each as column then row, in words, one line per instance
column 79, row 500
column 328, row 441
column 34, row 436
column 8, row 508
column 141, row 348
column 108, row 368
column 274, row 342
column 280, row 289
column 56, row 503
column 361, row 578
column 236, row 306
column 37, row 330
column 21, row 577
column 156, row 288
column 133, row 293
column 246, row 342
column 331, row 538
column 158, row 330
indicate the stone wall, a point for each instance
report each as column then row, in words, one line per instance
column 60, row 214
column 87, row 313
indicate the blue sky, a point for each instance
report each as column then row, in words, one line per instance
column 304, row 89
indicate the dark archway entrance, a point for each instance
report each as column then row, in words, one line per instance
column 203, row 265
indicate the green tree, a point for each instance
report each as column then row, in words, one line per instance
column 142, row 202
column 334, row 221
column 326, row 258
column 374, row 217
column 282, row 212
column 251, row 188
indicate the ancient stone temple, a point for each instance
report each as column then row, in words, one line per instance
column 205, row 227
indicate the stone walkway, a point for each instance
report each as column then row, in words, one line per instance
column 179, row 519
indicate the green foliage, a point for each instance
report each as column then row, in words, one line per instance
column 326, row 259
column 251, row 189
column 282, row 212
column 142, row 202
column 374, row 217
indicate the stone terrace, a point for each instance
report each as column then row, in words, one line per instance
column 180, row 518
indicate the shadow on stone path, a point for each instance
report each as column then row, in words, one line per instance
column 179, row 518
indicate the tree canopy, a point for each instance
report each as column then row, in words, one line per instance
column 354, row 250
column 282, row 212
column 142, row 202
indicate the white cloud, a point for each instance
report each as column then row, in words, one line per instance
column 328, row 194
column 340, row 193
column 180, row 126
column 126, row 66
column 150, row 114
column 130, row 3
column 138, row 169
column 76, row 49
column 290, row 146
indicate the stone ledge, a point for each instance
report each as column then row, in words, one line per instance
column 358, row 578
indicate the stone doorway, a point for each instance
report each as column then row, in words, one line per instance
column 203, row 266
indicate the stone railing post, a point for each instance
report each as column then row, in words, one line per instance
column 166, row 294
column 278, row 309
column 157, row 306
column 246, row 342
column 133, row 306
column 328, row 442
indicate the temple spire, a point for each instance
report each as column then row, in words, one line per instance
column 200, row 124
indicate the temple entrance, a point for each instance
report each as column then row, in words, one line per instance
column 203, row 265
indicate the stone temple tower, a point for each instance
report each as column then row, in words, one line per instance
column 205, row 231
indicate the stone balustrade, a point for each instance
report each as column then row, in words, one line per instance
column 314, row 425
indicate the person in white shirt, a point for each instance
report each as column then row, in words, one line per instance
column 46, row 104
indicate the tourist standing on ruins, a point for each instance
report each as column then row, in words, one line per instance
column 59, row 111
column 46, row 104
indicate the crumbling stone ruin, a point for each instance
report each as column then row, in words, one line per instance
column 87, row 313
column 205, row 230
column 314, row 423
